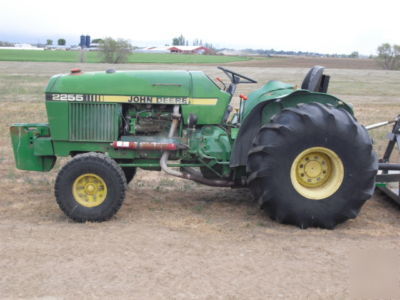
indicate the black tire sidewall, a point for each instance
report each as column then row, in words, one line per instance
column 294, row 130
column 286, row 156
column 79, row 212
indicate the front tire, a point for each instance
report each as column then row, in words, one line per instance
column 90, row 187
column 313, row 165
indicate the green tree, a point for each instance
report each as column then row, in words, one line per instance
column 389, row 56
column 49, row 42
column 179, row 41
column 6, row 44
column 115, row 51
column 209, row 45
column 97, row 41
column 354, row 54
column 61, row 42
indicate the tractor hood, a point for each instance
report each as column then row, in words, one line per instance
column 143, row 83
column 194, row 91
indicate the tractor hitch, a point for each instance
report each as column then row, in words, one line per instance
column 389, row 173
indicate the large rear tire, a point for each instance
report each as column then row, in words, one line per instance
column 313, row 165
column 90, row 187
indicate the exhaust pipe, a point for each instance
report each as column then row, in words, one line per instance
column 189, row 174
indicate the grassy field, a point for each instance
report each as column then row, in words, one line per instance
column 237, row 61
column 175, row 239
column 94, row 57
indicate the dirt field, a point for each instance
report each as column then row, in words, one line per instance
column 306, row 62
column 174, row 239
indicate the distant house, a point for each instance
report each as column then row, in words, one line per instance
column 94, row 47
column 176, row 49
column 190, row 49
column 22, row 47
column 231, row 52
column 56, row 47
column 152, row 50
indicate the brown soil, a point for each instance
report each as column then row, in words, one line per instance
column 307, row 62
column 178, row 241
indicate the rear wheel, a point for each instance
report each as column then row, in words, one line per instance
column 313, row 165
column 90, row 187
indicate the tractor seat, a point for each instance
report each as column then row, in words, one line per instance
column 315, row 80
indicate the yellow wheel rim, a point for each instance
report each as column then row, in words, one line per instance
column 317, row 173
column 89, row 190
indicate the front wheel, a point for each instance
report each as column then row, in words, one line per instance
column 313, row 165
column 90, row 187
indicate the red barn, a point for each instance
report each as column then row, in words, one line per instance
column 190, row 50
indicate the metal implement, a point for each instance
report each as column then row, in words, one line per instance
column 380, row 124
column 388, row 178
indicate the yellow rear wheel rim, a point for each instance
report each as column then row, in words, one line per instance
column 89, row 190
column 317, row 173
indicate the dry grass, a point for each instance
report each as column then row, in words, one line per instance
column 173, row 238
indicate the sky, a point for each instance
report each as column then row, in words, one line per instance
column 336, row 26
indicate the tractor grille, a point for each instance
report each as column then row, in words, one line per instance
column 93, row 122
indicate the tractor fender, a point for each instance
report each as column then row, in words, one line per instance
column 263, row 112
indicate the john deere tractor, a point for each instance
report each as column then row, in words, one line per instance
column 302, row 153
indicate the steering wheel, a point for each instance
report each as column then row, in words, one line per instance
column 237, row 78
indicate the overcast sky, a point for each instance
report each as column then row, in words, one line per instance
column 335, row 26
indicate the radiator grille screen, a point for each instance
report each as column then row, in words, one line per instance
column 93, row 122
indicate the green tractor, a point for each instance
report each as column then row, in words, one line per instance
column 305, row 158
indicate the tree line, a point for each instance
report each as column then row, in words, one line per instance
column 60, row 42
column 182, row 41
